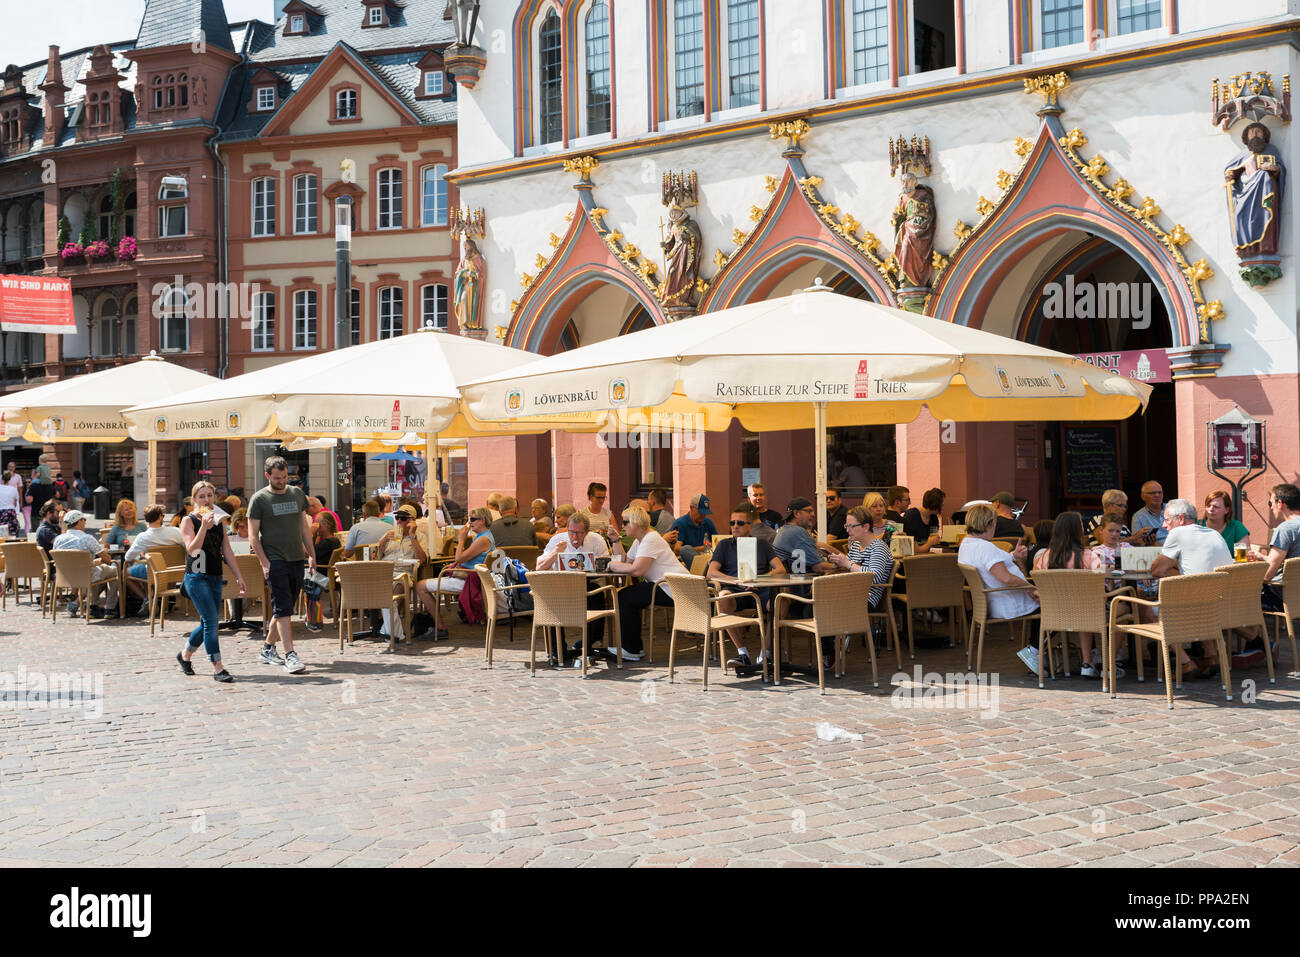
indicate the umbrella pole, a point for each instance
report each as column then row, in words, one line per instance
column 432, row 491
column 819, row 425
column 153, row 473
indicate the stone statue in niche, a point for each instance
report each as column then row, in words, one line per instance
column 470, row 273
column 1255, row 181
column 681, row 246
column 914, row 225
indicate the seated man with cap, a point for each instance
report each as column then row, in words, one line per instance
column 1007, row 526
column 695, row 531
column 102, row 568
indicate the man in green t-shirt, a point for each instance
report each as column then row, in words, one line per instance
column 280, row 531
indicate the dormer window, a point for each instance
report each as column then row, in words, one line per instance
column 297, row 23
column 433, row 83
column 376, row 16
column 265, row 98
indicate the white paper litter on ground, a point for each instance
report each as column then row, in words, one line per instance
column 828, row 732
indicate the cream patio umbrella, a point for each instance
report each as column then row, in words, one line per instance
column 88, row 408
column 809, row 360
column 370, row 392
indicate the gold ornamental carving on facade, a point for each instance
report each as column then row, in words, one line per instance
column 1145, row 213
column 1050, row 86
column 792, row 130
column 584, row 166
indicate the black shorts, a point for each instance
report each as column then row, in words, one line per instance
column 285, row 579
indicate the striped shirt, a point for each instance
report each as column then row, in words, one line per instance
column 875, row 558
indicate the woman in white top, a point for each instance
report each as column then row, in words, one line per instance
column 598, row 516
column 9, row 508
column 650, row 559
column 998, row 569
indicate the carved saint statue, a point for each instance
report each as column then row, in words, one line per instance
column 470, row 273
column 682, row 255
column 914, row 224
column 1255, row 181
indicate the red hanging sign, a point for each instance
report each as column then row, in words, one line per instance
column 40, row 304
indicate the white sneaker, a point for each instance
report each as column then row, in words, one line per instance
column 1029, row 655
column 631, row 655
column 1089, row 671
column 292, row 663
column 270, row 656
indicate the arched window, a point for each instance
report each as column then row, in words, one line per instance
column 183, row 90
column 36, row 228
column 264, row 322
column 128, row 328
column 390, row 312
column 345, row 105
column 550, row 81
column 171, row 90
column 174, row 327
column 108, row 331
column 264, row 206
column 596, row 69
column 158, row 93
column 688, row 57
column 106, row 217
column 742, row 53
column 433, row 306
column 173, row 220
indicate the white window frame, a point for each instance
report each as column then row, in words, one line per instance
column 440, row 300
column 297, row 23
column 306, row 320
column 263, row 194
column 174, row 311
column 263, row 332
column 375, row 17
column 430, row 76
column 852, row 88
column 164, row 225
column 671, row 120
column 1127, row 40
column 308, row 202
column 265, row 98
column 1039, row 54
column 724, row 67
column 389, row 208
column 355, row 319
column 392, row 312
column 585, row 136
column 440, row 195
column 355, row 105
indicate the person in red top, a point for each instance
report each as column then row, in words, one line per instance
column 316, row 508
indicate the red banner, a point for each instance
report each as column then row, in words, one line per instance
column 1144, row 365
column 36, row 304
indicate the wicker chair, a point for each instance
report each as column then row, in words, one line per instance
column 933, row 581
column 560, row 601
column 363, row 586
column 490, row 592
column 173, row 555
column 838, row 604
column 164, row 582
column 700, row 563
column 885, row 610
column 22, row 562
column 1070, row 600
column 1241, row 607
column 1191, row 610
column 528, row 554
column 72, row 570
column 980, row 619
column 1290, row 606
column 693, row 614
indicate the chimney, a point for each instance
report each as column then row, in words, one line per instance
column 54, row 90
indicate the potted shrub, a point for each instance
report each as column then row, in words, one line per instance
column 72, row 252
column 98, row 251
column 126, row 249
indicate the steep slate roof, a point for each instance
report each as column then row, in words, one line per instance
column 170, row 22
column 419, row 24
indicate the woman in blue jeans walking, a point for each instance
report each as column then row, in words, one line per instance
column 206, row 546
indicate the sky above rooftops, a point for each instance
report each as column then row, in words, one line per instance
column 82, row 23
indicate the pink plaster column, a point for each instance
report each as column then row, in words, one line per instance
column 786, row 466
column 708, row 462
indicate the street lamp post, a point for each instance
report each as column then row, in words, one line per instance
column 343, row 339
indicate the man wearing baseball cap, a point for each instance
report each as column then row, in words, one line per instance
column 795, row 545
column 1008, row 526
column 695, row 531
column 102, row 568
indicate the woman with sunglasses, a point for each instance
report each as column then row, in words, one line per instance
column 472, row 548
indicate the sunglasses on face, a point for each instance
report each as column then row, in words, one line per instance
column 738, row 524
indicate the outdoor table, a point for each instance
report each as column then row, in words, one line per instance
column 770, row 580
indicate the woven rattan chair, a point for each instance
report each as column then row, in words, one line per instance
column 363, row 586
column 1006, row 544
column 1070, row 600
column 884, row 610
column 164, row 582
column 694, row 614
column 980, row 619
column 72, row 570
column 528, row 554
column 560, row 602
column 1191, row 610
column 700, row 563
column 839, row 605
column 251, row 569
column 1290, row 607
column 1241, row 607
column 490, row 592
column 172, row 554
column 933, row 581
column 23, row 562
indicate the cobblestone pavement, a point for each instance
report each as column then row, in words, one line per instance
column 427, row 757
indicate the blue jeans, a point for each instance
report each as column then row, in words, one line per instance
column 205, row 592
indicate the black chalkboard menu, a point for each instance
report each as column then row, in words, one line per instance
column 1091, row 459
